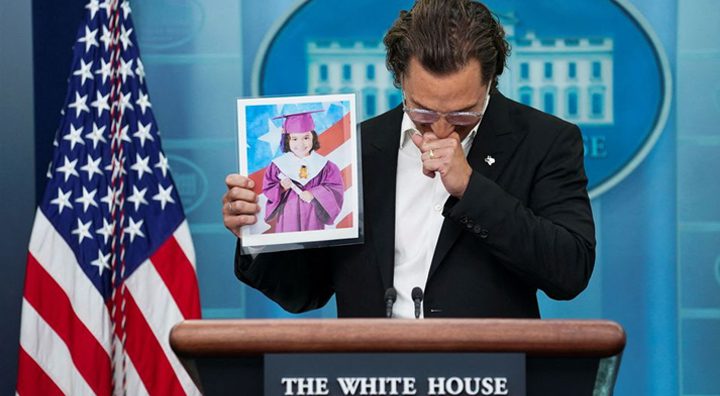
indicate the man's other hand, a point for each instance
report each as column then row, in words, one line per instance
column 239, row 203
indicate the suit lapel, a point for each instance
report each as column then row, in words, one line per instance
column 492, row 148
column 381, row 146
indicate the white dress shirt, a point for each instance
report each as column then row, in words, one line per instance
column 419, row 204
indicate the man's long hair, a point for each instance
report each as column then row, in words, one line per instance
column 444, row 35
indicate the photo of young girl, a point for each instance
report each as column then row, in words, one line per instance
column 301, row 152
column 304, row 190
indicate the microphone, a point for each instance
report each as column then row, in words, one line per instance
column 390, row 297
column 417, row 296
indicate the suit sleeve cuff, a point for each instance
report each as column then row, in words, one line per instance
column 481, row 209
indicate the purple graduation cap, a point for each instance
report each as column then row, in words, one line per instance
column 298, row 122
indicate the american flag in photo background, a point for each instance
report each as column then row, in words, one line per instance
column 333, row 126
column 111, row 264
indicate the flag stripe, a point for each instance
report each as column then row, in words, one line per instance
column 56, row 257
column 147, row 355
column 34, row 380
column 334, row 136
column 346, row 222
column 257, row 178
column 348, row 203
column 53, row 305
column 179, row 277
column 147, row 286
column 342, row 155
column 50, row 353
column 182, row 236
column 346, row 175
column 134, row 385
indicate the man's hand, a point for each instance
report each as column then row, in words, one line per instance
column 446, row 157
column 239, row 203
column 307, row 196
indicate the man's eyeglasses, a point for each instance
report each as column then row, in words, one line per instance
column 458, row 118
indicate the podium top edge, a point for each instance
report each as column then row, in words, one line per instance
column 535, row 337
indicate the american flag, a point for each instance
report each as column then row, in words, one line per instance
column 111, row 265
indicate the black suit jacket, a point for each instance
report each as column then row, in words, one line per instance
column 523, row 224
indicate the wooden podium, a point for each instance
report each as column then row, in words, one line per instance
column 564, row 357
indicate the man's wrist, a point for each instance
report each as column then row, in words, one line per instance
column 467, row 172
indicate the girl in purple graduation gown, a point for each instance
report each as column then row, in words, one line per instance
column 304, row 190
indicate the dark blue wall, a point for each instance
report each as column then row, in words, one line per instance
column 54, row 27
column 16, row 175
column 42, row 31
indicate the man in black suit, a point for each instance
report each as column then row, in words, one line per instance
column 487, row 205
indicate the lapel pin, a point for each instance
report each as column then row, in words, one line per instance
column 490, row 160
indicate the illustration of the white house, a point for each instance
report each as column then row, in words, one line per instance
column 571, row 78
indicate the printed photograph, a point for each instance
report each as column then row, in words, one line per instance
column 301, row 152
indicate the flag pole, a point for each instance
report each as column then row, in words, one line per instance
column 117, row 300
